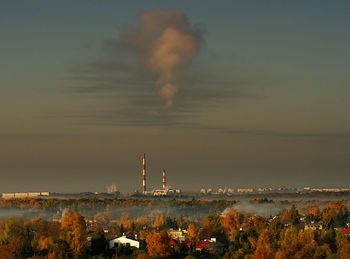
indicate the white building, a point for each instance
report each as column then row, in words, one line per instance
column 167, row 191
column 245, row 190
column 126, row 240
column 24, row 195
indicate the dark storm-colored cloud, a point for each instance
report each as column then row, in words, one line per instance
column 287, row 134
column 131, row 90
column 140, row 92
column 136, row 103
column 129, row 95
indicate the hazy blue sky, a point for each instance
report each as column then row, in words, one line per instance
column 264, row 102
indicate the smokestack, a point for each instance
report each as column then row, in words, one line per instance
column 144, row 174
column 163, row 179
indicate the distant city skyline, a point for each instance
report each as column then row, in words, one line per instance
column 236, row 94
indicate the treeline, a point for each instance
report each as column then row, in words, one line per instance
column 38, row 238
column 240, row 236
column 89, row 207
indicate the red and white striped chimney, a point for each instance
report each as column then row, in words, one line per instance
column 163, row 179
column 144, row 174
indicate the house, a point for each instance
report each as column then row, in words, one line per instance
column 172, row 242
column 313, row 226
column 345, row 231
column 211, row 245
column 177, row 234
column 126, row 240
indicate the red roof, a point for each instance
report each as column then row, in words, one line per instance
column 206, row 244
column 209, row 244
column 172, row 242
column 345, row 231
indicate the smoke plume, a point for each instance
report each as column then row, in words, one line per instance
column 165, row 43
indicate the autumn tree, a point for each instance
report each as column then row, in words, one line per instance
column 74, row 227
column 44, row 234
column 343, row 245
column 313, row 214
column 8, row 251
column 253, row 225
column 289, row 216
column 280, row 254
column 275, row 229
column 13, row 236
column 158, row 244
column 143, row 220
column 181, row 222
column 231, row 222
column 289, row 241
column 192, row 232
column 158, row 221
column 263, row 249
column 103, row 218
column 263, row 252
column 323, row 252
column 45, row 245
column 335, row 214
column 142, row 256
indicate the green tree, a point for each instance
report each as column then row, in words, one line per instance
column 98, row 242
column 14, row 235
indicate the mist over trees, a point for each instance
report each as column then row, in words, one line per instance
column 289, row 234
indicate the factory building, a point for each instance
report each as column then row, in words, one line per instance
column 166, row 190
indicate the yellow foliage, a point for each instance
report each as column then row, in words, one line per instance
column 192, row 232
column 231, row 221
column 158, row 244
column 158, row 221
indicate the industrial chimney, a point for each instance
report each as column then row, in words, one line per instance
column 144, row 174
column 163, row 179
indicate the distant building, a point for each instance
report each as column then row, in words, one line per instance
column 221, row 190
column 112, row 189
column 12, row 195
column 230, row 190
column 245, row 190
column 166, row 191
column 330, row 189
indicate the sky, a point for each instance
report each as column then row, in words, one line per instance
column 235, row 94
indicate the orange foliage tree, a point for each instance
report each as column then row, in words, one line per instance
column 181, row 222
column 192, row 232
column 158, row 244
column 74, row 227
column 158, row 221
column 313, row 214
column 231, row 221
